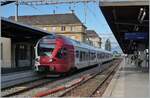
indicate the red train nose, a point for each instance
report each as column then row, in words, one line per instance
column 46, row 60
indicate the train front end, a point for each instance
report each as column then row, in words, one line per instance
column 51, row 56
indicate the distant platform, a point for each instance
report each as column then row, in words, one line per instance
column 128, row 82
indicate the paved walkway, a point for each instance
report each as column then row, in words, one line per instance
column 128, row 82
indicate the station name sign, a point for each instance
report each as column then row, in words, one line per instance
column 136, row 36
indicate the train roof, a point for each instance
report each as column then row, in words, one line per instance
column 83, row 45
column 76, row 43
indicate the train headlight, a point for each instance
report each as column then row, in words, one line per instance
column 50, row 60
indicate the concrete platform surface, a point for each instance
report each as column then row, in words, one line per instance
column 128, row 82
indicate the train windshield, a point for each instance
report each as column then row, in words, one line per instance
column 45, row 49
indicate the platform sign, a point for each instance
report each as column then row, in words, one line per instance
column 136, row 36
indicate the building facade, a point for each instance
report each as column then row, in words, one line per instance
column 63, row 24
column 5, row 51
column 94, row 38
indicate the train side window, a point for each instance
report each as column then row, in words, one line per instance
column 83, row 56
column 77, row 54
column 90, row 56
column 80, row 55
column 94, row 55
column 86, row 55
column 101, row 55
column 1, row 51
column 98, row 55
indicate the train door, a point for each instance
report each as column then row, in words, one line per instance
column 22, row 55
column 77, row 54
column 69, row 56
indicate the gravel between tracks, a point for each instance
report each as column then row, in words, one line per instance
column 86, row 89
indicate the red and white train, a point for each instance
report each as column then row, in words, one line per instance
column 59, row 54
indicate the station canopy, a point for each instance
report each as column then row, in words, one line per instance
column 18, row 31
column 129, row 22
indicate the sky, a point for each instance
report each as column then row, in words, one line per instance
column 89, row 14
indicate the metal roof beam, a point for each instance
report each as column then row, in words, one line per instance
column 124, row 3
column 126, row 23
column 6, row 2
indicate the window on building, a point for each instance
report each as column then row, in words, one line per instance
column 63, row 28
column 71, row 28
column 44, row 28
column 73, row 37
column 53, row 28
column 21, row 51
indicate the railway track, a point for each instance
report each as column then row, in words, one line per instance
column 80, row 83
column 89, row 87
column 23, row 87
column 43, row 85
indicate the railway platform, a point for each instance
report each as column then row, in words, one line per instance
column 15, row 69
column 129, row 81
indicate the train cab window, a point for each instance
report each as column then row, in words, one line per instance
column 45, row 50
